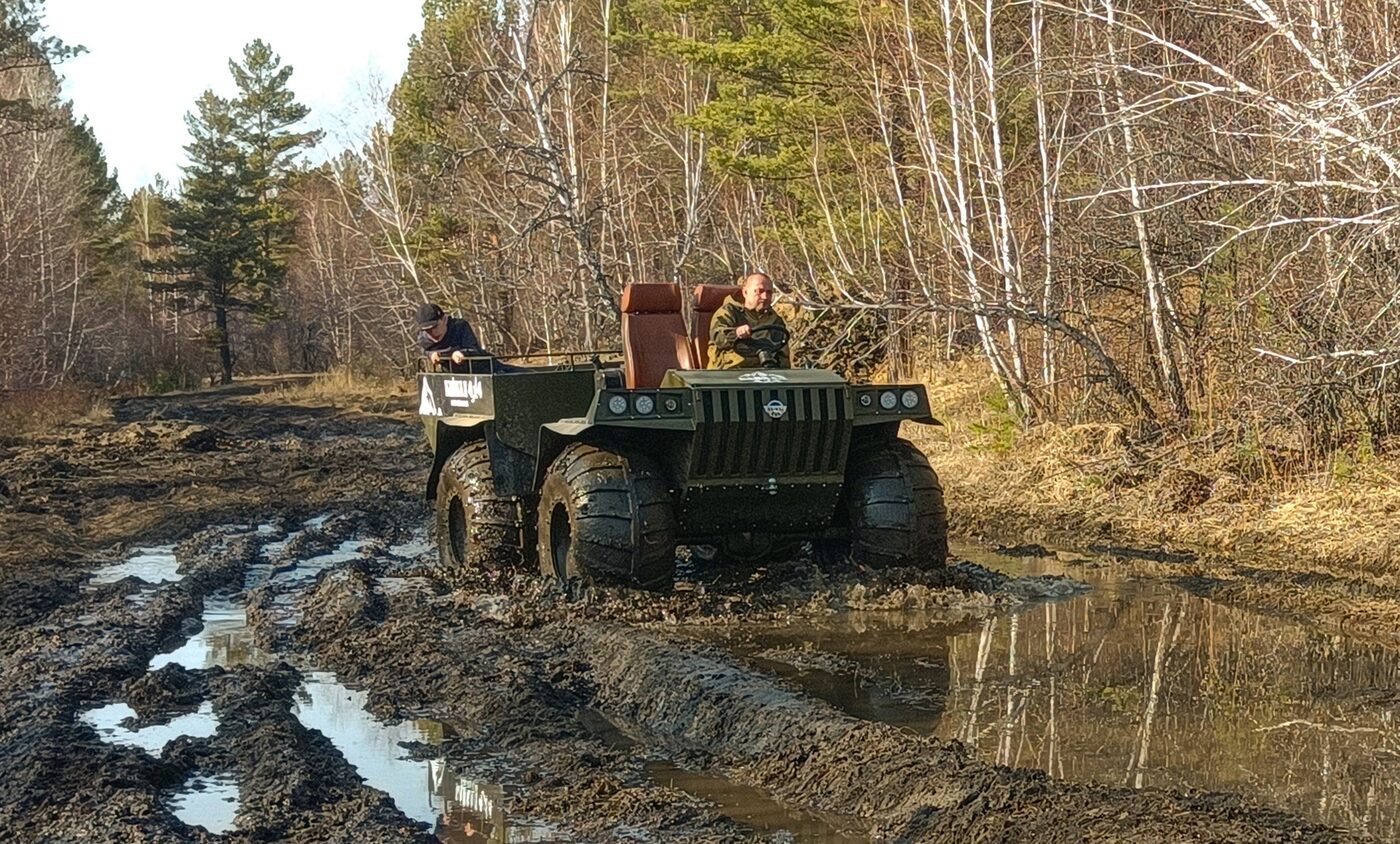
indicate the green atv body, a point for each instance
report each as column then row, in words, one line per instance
column 564, row 468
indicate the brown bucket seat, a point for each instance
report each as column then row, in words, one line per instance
column 653, row 333
column 708, row 298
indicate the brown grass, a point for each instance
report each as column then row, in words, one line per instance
column 1089, row 480
column 336, row 385
column 25, row 412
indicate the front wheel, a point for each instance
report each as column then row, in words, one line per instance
column 607, row 515
column 894, row 506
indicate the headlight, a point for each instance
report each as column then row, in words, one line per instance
column 671, row 404
column 909, row 399
column 644, row 404
column 888, row 400
column 618, row 405
column 866, row 400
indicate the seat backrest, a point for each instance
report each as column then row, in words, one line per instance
column 653, row 333
column 708, row 298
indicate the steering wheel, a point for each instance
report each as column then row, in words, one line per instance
column 768, row 341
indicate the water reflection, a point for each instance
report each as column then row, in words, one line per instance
column 753, row 808
column 155, row 564
column 224, row 640
column 210, row 802
column 1137, row 683
column 460, row 809
column 107, row 721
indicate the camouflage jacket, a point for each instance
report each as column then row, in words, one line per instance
column 729, row 352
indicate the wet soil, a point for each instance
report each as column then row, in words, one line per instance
column 303, row 673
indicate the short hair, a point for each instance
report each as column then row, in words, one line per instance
column 756, row 274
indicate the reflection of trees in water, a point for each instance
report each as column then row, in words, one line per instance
column 473, row 812
column 1167, row 689
column 469, row 812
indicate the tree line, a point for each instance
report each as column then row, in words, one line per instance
column 1178, row 213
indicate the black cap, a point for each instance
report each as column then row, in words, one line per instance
column 428, row 315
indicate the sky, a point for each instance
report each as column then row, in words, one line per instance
column 149, row 60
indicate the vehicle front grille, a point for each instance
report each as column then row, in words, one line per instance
column 737, row 438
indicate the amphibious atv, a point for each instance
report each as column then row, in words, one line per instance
column 595, row 469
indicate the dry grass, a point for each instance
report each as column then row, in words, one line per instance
column 25, row 412
column 1091, row 481
column 336, row 385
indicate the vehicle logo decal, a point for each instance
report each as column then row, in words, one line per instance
column 462, row 392
column 761, row 377
column 426, row 405
column 775, row 409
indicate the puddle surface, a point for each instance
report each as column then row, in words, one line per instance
column 106, row 720
column 210, row 802
column 752, row 808
column 459, row 808
column 1136, row 684
column 155, row 564
column 225, row 640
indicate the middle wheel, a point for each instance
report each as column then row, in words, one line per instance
column 607, row 515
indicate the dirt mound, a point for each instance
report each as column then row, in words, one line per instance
column 168, row 436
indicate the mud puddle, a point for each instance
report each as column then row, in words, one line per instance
column 1137, row 683
column 110, row 722
column 153, row 565
column 752, row 808
column 459, row 808
column 210, row 802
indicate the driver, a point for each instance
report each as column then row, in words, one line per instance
column 741, row 331
column 444, row 338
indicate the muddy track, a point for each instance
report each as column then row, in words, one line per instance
column 304, row 524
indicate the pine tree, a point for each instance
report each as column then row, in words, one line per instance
column 264, row 113
column 216, row 258
column 231, row 233
column 24, row 46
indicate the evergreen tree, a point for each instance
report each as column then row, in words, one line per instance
column 215, row 260
column 24, row 46
column 231, row 232
column 264, row 113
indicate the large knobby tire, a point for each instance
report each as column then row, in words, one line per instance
column 608, row 516
column 477, row 529
column 894, row 506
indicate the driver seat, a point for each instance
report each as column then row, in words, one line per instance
column 708, row 298
column 654, row 338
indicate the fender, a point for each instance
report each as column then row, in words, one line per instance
column 554, row 438
column 446, row 435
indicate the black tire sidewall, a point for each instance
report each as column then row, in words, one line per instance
column 636, row 476
column 913, row 532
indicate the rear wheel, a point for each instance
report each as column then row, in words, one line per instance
column 477, row 529
column 894, row 506
column 609, row 516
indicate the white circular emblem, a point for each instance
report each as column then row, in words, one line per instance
column 775, row 409
column 762, row 377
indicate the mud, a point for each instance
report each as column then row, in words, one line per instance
column 305, row 674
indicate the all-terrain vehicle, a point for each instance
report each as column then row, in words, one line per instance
column 592, row 468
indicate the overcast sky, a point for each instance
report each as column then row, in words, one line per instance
column 148, row 60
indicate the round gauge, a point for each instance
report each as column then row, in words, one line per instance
column 671, row 404
column 888, row 400
column 866, row 400
column 909, row 399
column 644, row 404
column 618, row 405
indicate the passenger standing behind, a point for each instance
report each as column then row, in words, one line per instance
column 733, row 327
column 445, row 338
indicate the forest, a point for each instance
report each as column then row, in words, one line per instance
column 1177, row 213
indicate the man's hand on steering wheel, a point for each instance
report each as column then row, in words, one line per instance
column 772, row 337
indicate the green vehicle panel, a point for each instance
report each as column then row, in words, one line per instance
column 740, row 452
